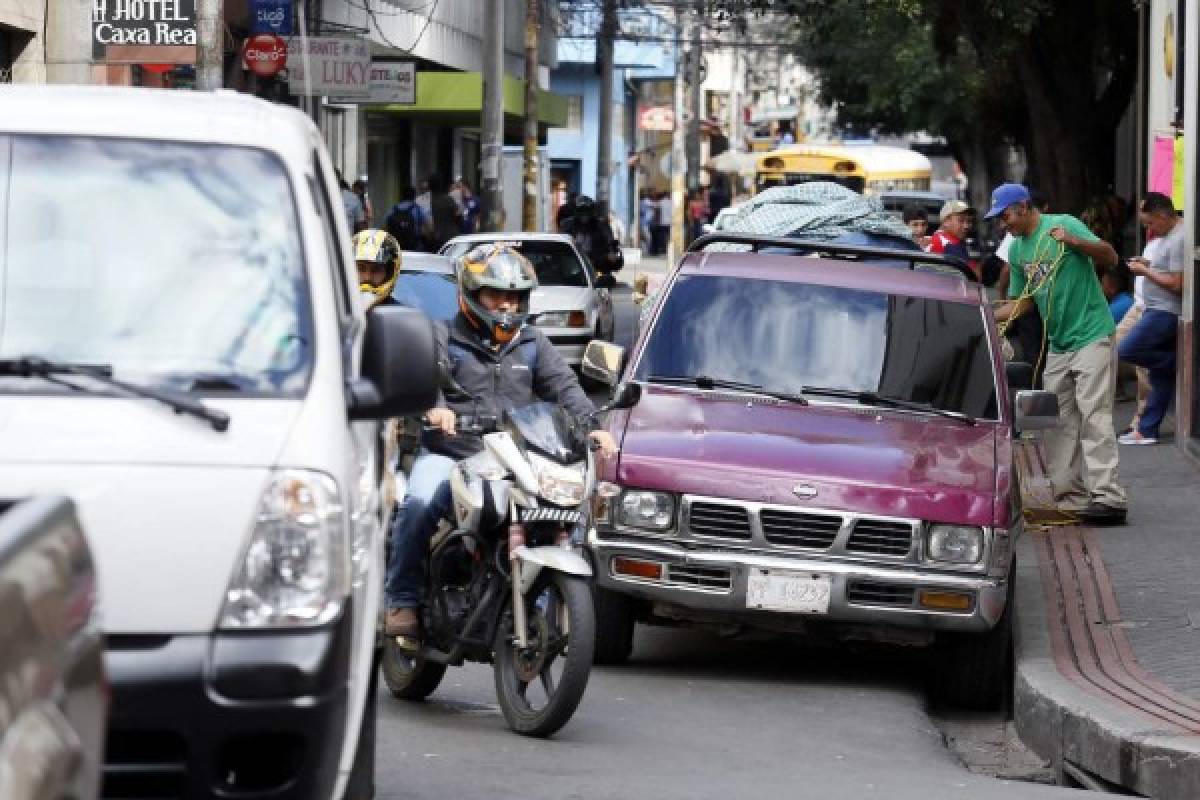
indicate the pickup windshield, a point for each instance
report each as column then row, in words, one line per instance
column 177, row 264
column 786, row 336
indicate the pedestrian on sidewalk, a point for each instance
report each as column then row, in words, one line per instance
column 1053, row 261
column 1141, row 374
column 1151, row 342
column 662, row 226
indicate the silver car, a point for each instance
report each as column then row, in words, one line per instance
column 567, row 306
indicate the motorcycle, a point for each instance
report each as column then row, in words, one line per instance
column 507, row 583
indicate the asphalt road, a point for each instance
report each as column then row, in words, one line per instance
column 694, row 716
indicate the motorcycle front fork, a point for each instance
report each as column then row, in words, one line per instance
column 516, row 540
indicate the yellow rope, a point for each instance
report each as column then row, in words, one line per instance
column 1032, row 288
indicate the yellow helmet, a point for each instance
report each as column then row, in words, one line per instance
column 378, row 247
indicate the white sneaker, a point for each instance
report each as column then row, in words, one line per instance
column 1135, row 437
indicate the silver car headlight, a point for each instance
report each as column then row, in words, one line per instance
column 561, row 319
column 653, row 511
column 562, row 486
column 955, row 544
column 296, row 570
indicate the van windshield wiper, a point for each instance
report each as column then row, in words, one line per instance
column 877, row 399
column 33, row 367
column 708, row 382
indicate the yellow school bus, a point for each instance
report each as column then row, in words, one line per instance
column 865, row 168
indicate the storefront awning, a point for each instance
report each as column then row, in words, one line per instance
column 461, row 93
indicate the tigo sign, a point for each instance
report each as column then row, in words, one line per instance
column 271, row 16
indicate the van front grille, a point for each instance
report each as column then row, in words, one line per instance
column 714, row 519
column 880, row 537
column 816, row 531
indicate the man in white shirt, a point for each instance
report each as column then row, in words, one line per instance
column 1151, row 342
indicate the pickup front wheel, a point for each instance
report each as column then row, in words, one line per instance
column 615, row 623
column 975, row 671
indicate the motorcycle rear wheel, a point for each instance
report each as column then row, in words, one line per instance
column 409, row 676
column 540, row 688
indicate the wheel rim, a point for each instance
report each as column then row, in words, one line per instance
column 536, row 673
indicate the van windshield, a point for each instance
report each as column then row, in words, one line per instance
column 175, row 264
column 785, row 336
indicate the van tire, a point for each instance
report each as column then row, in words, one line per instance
column 975, row 670
column 615, row 623
column 361, row 785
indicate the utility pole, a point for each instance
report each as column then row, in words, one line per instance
column 678, row 149
column 696, row 100
column 491, row 185
column 604, row 57
column 210, row 45
column 529, row 199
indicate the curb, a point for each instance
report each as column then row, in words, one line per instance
column 1078, row 729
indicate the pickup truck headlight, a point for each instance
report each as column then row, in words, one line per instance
column 955, row 544
column 653, row 511
column 296, row 569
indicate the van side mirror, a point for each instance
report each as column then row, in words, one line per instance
column 1036, row 410
column 626, row 395
column 603, row 361
column 399, row 374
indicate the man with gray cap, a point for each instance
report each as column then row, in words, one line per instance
column 1053, row 261
column 948, row 239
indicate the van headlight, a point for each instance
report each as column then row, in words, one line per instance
column 296, row 569
column 955, row 544
column 653, row 511
column 562, row 486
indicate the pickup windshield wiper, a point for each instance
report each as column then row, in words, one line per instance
column 876, row 399
column 32, row 367
column 707, row 382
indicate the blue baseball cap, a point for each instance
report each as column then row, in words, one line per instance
column 1004, row 196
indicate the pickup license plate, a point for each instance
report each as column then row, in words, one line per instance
column 797, row 592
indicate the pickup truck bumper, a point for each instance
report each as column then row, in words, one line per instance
column 257, row 714
column 713, row 584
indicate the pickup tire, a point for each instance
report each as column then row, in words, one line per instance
column 615, row 623
column 975, row 671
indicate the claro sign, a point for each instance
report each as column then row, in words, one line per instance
column 142, row 23
column 265, row 54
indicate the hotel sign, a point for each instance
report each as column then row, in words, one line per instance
column 142, row 23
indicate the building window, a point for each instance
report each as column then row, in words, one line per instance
column 574, row 112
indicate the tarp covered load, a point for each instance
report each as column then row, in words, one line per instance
column 818, row 211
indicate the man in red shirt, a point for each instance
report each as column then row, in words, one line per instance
column 948, row 240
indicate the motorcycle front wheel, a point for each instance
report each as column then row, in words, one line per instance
column 540, row 687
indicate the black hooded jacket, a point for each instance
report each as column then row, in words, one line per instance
column 523, row 371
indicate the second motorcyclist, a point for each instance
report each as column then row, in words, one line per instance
column 495, row 362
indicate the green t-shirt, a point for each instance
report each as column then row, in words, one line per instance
column 1071, row 302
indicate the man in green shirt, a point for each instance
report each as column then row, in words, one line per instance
column 1053, row 262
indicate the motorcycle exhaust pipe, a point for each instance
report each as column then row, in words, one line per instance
column 516, row 539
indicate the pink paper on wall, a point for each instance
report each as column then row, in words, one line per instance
column 1162, row 165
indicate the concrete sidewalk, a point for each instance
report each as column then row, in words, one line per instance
column 1108, row 637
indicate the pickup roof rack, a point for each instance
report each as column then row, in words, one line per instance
column 848, row 252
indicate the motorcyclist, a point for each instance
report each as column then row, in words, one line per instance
column 377, row 257
column 593, row 235
column 494, row 362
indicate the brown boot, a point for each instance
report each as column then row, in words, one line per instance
column 401, row 622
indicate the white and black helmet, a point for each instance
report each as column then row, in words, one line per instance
column 500, row 267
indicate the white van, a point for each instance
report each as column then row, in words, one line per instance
column 183, row 354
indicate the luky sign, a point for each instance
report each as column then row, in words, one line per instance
column 332, row 66
column 389, row 82
column 144, row 23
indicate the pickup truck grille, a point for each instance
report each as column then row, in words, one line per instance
column 816, row 531
column 718, row 578
column 870, row 593
column 880, row 537
column 715, row 519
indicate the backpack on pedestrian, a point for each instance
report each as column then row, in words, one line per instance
column 403, row 223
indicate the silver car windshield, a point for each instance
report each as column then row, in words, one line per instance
column 176, row 264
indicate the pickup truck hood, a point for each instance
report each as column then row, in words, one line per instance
column 139, row 475
column 874, row 461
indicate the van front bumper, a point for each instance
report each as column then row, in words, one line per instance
column 712, row 584
column 248, row 714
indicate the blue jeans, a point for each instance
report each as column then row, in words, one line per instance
column 1151, row 344
column 427, row 501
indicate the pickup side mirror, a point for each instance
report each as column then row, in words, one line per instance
column 399, row 373
column 603, row 361
column 626, row 395
column 1036, row 410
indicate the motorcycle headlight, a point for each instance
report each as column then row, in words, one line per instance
column 955, row 544
column 650, row 510
column 296, row 569
column 562, row 486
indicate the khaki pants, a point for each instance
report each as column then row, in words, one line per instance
column 1143, row 376
column 1082, row 451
